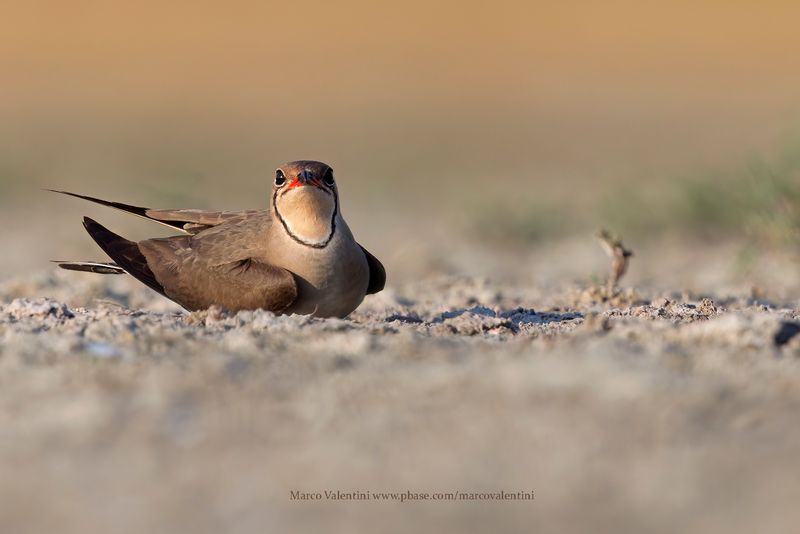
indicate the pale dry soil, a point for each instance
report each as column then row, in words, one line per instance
column 651, row 412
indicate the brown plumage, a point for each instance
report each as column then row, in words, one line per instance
column 298, row 256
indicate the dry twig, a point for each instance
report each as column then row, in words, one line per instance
column 620, row 257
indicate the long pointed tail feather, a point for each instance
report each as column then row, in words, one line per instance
column 136, row 210
column 90, row 267
column 127, row 208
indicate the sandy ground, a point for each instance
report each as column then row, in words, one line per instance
column 656, row 412
column 478, row 147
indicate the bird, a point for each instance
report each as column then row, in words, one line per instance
column 296, row 257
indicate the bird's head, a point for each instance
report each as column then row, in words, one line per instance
column 306, row 202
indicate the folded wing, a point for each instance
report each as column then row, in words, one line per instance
column 196, row 280
column 377, row 273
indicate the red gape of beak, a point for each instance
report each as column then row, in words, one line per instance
column 297, row 183
column 305, row 178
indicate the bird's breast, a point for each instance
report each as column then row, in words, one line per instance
column 307, row 214
column 332, row 281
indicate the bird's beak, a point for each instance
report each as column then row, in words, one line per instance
column 305, row 178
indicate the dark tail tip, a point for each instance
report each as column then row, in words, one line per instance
column 125, row 253
column 91, row 223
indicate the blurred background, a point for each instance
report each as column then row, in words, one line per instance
column 471, row 141
column 468, row 137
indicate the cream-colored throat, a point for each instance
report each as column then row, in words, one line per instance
column 307, row 213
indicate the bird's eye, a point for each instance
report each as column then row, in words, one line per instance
column 280, row 178
column 328, row 178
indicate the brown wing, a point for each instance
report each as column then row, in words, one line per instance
column 377, row 274
column 189, row 221
column 174, row 268
column 243, row 284
column 217, row 266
